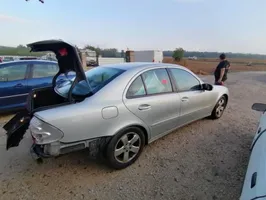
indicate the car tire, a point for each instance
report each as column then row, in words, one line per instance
column 125, row 147
column 219, row 108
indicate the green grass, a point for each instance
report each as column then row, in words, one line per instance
column 18, row 52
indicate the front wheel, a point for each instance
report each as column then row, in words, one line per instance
column 219, row 108
column 125, row 147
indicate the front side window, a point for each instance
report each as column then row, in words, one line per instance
column 157, row 81
column 184, row 80
column 13, row 72
column 41, row 70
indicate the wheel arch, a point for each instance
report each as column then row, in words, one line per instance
column 226, row 98
column 145, row 133
column 144, row 129
column 220, row 95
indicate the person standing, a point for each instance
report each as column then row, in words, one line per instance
column 220, row 73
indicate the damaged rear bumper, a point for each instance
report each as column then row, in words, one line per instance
column 95, row 146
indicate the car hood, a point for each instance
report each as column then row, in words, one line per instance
column 66, row 54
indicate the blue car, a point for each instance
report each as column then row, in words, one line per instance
column 18, row 78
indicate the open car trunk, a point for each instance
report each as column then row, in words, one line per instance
column 39, row 99
column 45, row 98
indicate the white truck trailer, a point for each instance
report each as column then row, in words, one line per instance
column 104, row 60
column 145, row 56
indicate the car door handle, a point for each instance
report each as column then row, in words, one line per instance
column 144, row 107
column 185, row 99
column 18, row 85
column 253, row 180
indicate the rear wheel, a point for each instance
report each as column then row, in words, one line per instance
column 219, row 108
column 125, row 147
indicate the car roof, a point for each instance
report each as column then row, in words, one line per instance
column 27, row 61
column 138, row 66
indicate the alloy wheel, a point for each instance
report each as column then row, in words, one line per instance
column 127, row 147
column 220, row 108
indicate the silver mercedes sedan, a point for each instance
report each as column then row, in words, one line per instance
column 112, row 109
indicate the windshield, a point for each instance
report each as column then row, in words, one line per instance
column 97, row 78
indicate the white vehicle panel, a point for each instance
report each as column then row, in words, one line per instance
column 255, row 179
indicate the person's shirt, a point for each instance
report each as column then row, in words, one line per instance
column 223, row 64
column 227, row 66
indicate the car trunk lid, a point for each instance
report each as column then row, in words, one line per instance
column 68, row 60
column 66, row 54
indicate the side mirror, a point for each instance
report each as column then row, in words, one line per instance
column 206, row 86
column 261, row 107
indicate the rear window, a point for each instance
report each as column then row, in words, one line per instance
column 97, row 78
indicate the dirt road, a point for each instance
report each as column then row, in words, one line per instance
column 205, row 160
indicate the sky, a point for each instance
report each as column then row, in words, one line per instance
column 195, row 25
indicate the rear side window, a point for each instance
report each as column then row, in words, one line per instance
column 136, row 88
column 13, row 72
column 157, row 81
column 41, row 70
column 151, row 82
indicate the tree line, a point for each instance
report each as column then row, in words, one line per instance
column 20, row 50
column 179, row 53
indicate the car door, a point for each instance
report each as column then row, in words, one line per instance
column 195, row 102
column 13, row 85
column 151, row 98
column 42, row 74
column 255, row 178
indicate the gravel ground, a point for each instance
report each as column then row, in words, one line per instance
column 204, row 160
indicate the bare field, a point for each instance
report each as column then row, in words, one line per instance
column 207, row 66
column 235, row 60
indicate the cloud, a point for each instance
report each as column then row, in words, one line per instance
column 8, row 18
